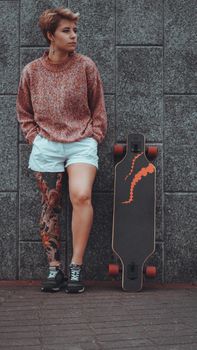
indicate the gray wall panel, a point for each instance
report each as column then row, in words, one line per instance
column 146, row 54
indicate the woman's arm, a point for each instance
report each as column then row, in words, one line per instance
column 24, row 109
column 96, row 101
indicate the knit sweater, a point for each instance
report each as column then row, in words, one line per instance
column 63, row 102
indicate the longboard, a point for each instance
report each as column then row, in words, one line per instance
column 134, row 206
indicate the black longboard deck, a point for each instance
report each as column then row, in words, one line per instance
column 133, row 232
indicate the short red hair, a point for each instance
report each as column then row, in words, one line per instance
column 50, row 18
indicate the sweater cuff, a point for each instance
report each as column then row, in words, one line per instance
column 96, row 138
column 31, row 138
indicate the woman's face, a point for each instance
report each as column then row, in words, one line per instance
column 65, row 36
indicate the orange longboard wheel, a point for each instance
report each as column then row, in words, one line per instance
column 114, row 269
column 118, row 149
column 152, row 151
column 150, row 271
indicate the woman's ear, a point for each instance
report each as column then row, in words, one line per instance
column 50, row 36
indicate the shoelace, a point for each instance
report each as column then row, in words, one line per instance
column 52, row 274
column 75, row 274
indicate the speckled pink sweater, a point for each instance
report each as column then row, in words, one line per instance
column 62, row 102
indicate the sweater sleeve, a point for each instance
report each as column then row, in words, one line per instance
column 96, row 102
column 24, row 109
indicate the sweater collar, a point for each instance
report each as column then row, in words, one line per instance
column 56, row 67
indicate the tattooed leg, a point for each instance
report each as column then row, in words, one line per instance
column 50, row 186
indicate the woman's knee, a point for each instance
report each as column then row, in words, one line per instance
column 80, row 197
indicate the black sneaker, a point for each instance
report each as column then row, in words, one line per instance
column 55, row 280
column 74, row 284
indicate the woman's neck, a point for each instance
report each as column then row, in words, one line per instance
column 56, row 57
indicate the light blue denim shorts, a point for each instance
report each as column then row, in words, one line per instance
column 51, row 156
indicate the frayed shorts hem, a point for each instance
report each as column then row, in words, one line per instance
column 81, row 161
column 55, row 170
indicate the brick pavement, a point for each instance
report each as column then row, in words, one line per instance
column 104, row 317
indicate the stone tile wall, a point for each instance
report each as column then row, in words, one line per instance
column 146, row 54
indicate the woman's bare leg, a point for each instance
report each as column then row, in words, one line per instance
column 81, row 178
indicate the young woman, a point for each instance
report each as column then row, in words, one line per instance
column 61, row 110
